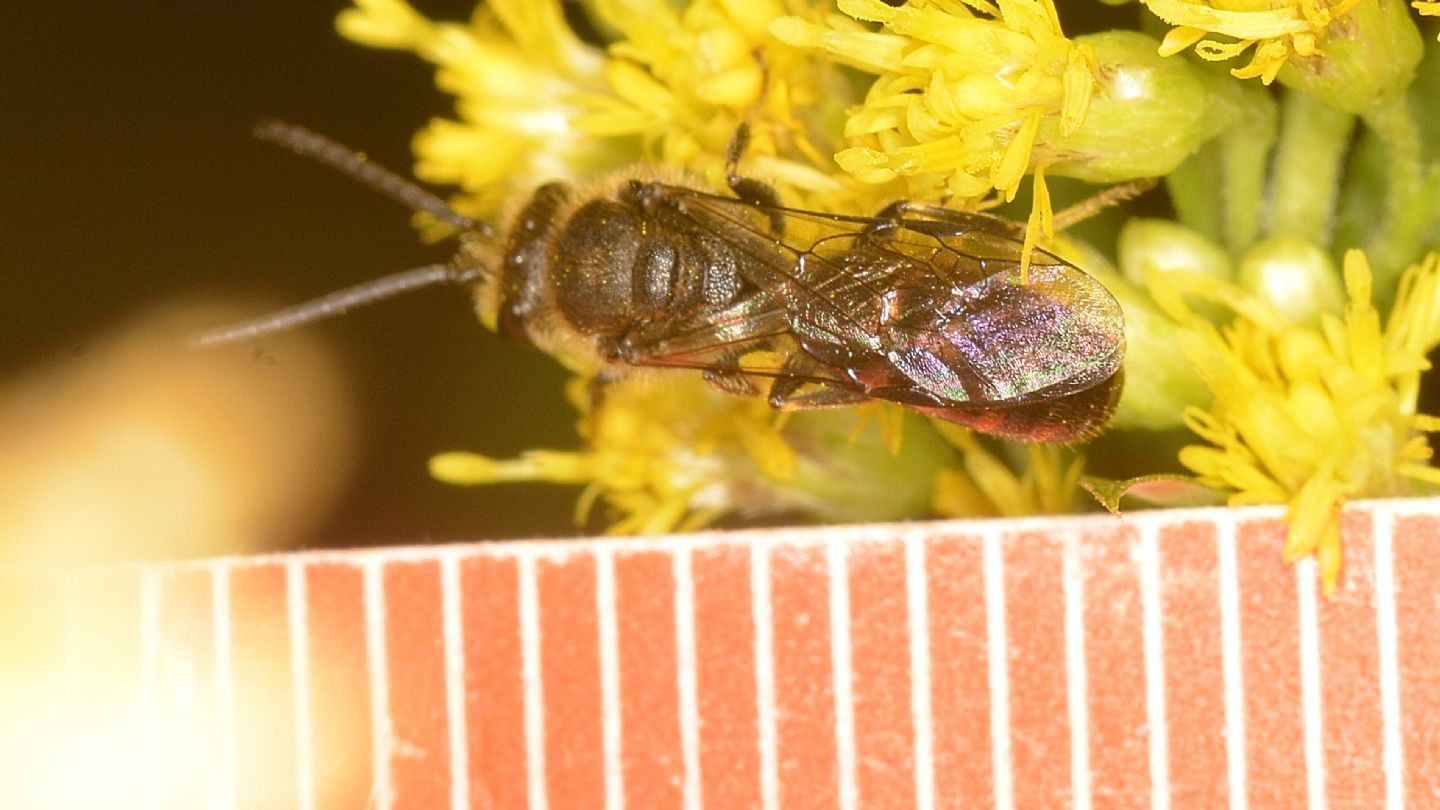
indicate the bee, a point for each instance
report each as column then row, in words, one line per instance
column 918, row 305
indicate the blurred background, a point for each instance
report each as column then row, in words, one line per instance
column 137, row 208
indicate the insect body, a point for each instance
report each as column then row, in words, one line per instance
column 919, row 305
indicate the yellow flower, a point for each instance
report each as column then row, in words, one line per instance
column 960, row 95
column 986, row 485
column 536, row 104
column 515, row 70
column 970, row 98
column 683, row 79
column 664, row 456
column 1275, row 29
column 670, row 453
column 1353, row 55
column 1310, row 416
column 959, row 98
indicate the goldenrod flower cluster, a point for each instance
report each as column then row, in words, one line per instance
column 1310, row 414
column 1278, row 321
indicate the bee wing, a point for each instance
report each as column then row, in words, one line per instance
column 755, row 335
column 750, row 338
column 798, row 267
column 999, row 340
column 928, row 311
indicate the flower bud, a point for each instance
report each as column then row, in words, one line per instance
column 1294, row 276
column 1146, row 116
column 1159, row 245
column 1368, row 54
column 1148, row 246
column 1159, row 384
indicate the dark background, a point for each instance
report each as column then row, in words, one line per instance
column 130, row 179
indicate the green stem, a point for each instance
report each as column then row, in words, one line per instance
column 1194, row 192
column 1423, row 95
column 1430, row 230
column 1397, row 241
column 1245, row 152
column 1305, row 180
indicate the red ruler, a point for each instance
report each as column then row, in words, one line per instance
column 1167, row 659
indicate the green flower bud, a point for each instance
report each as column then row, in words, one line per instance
column 1367, row 55
column 1158, row 383
column 1294, row 276
column 1147, row 246
column 1159, row 245
column 1147, row 116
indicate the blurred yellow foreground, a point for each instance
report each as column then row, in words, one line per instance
column 141, row 448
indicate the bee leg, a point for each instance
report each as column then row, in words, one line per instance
column 895, row 210
column 748, row 189
column 785, row 395
column 596, row 385
column 960, row 220
column 612, row 350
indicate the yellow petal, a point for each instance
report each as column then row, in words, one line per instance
column 384, row 24
column 1180, row 38
column 1016, row 162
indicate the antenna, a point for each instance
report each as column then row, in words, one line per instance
column 340, row 302
column 354, row 164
